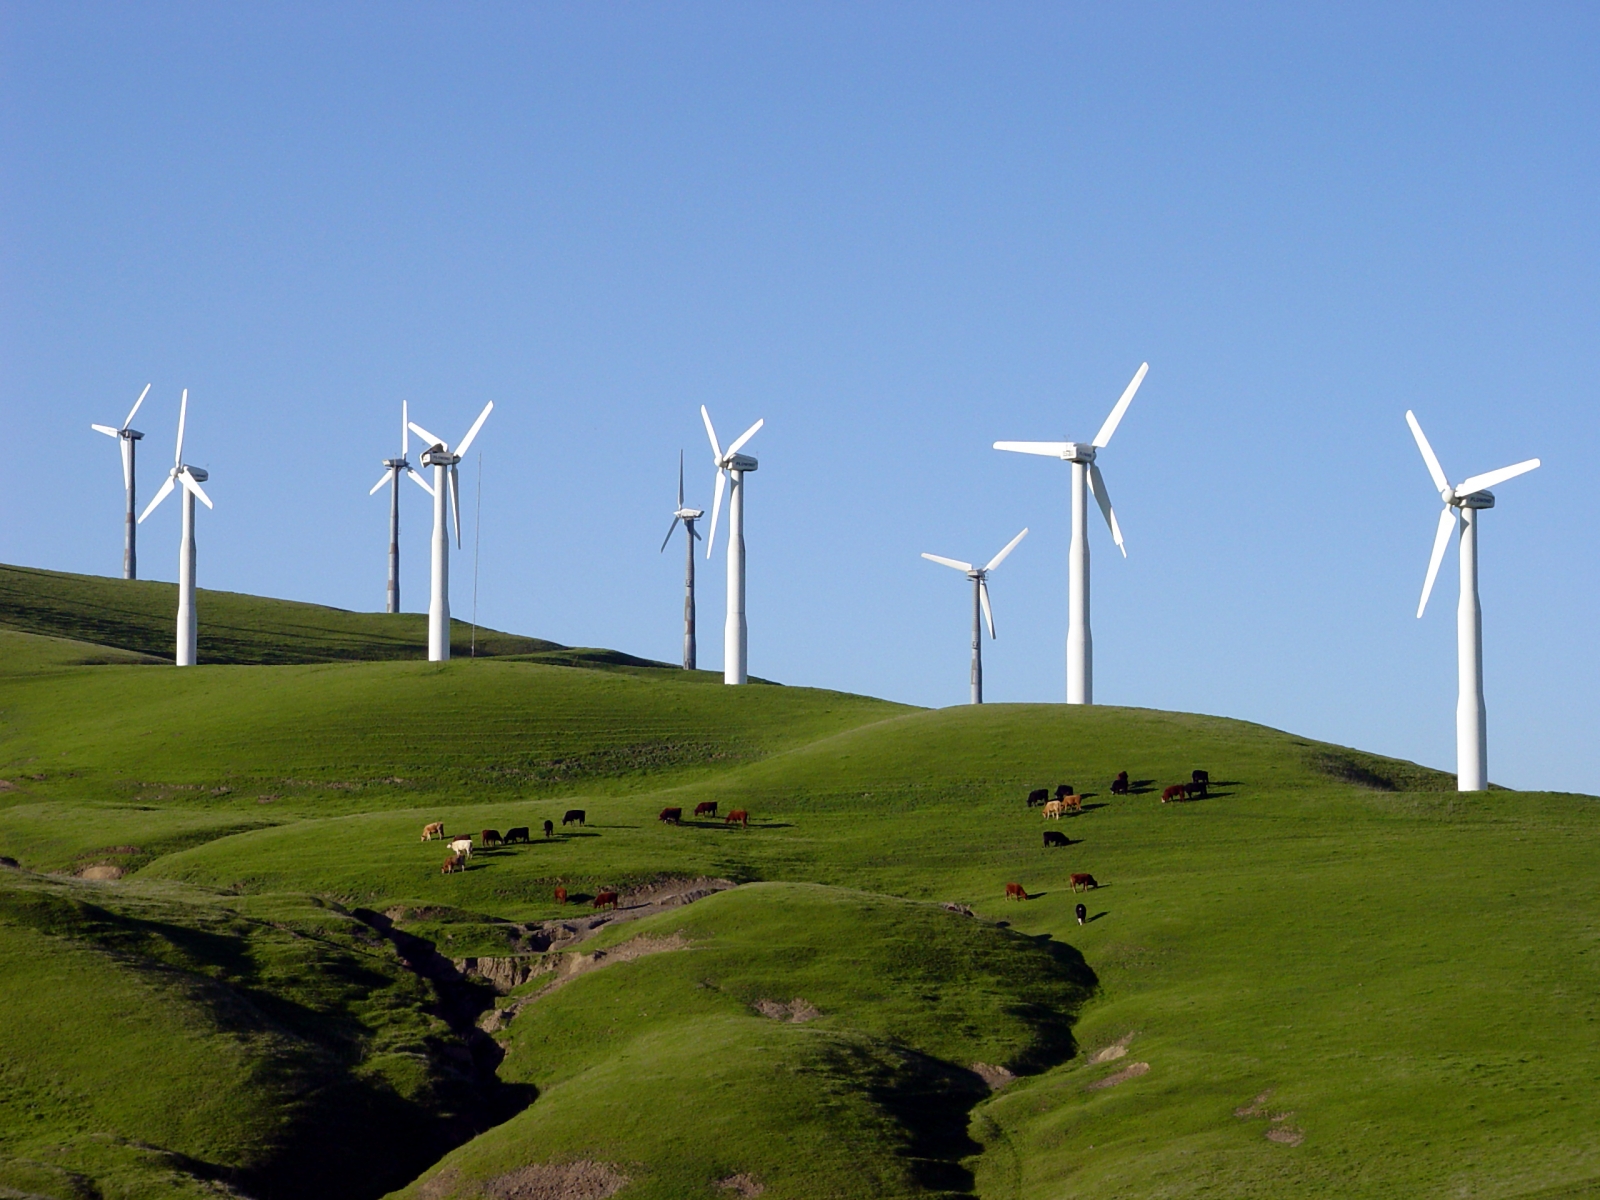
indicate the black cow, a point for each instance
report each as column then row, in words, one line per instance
column 1038, row 796
column 549, row 829
column 519, row 834
column 1083, row 914
column 1119, row 785
column 573, row 814
column 1200, row 776
column 1052, row 838
column 1063, row 790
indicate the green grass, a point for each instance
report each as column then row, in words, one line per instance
column 1407, row 978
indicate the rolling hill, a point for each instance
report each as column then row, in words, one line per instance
column 227, row 959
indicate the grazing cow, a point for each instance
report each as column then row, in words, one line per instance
column 1200, row 776
column 490, row 837
column 519, row 834
column 1191, row 790
column 462, row 846
column 1119, row 785
column 737, row 817
column 1052, row 838
column 456, row 862
column 1052, row 809
column 1038, row 796
column 549, row 829
column 573, row 814
column 706, row 808
column 1063, row 790
column 1083, row 914
column 607, row 899
column 434, row 829
column 1015, row 891
column 561, row 895
column 670, row 816
column 1175, row 792
column 1083, row 882
column 1071, row 804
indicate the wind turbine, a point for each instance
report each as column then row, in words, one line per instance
column 130, row 558
column 1080, row 645
column 1462, row 503
column 688, row 516
column 731, row 468
column 190, row 479
column 443, row 460
column 980, row 598
column 391, row 476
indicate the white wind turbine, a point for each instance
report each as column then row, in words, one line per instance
column 190, row 479
column 980, row 599
column 127, row 436
column 391, row 475
column 731, row 468
column 1080, row 645
column 688, row 516
column 1462, row 503
column 444, row 461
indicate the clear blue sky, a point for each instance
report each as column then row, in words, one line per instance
column 898, row 233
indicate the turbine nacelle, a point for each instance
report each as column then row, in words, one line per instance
column 438, row 456
column 740, row 462
column 1474, row 500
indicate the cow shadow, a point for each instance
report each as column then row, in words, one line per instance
column 1096, row 917
column 1092, row 807
column 1138, row 787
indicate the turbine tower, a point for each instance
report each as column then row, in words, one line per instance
column 444, row 462
column 1462, row 504
column 731, row 468
column 391, row 475
column 190, row 479
column 130, row 557
column 1080, row 644
column 980, row 599
column 688, row 516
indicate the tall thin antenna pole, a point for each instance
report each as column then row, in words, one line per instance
column 477, row 536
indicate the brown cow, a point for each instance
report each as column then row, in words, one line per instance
column 456, row 862
column 561, row 895
column 1015, row 891
column 737, row 817
column 606, row 899
column 1175, row 792
column 434, row 829
column 671, row 816
column 1071, row 803
column 706, row 808
column 490, row 837
column 1083, row 882
column 519, row 834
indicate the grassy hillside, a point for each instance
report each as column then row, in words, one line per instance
column 1334, row 976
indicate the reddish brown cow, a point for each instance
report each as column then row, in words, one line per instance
column 561, row 895
column 1072, row 803
column 706, row 808
column 1083, row 882
column 1015, row 891
column 606, row 900
column 671, row 816
column 738, row 817
column 490, row 837
column 1175, row 792
column 454, row 863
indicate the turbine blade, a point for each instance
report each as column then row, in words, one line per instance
column 1428, row 456
column 1097, row 485
column 1476, row 483
column 983, row 599
column 1048, row 449
column 191, row 484
column 405, row 428
column 745, row 437
column 1110, row 427
column 382, row 479
column 183, row 415
column 136, row 404
column 716, row 506
column 164, row 491
column 1441, row 539
column 680, row 478
column 949, row 562
column 127, row 462
column 455, row 502
column 106, row 429
column 1001, row 557
column 473, row 432
column 670, row 530
column 419, row 480
column 426, row 436
column 716, row 450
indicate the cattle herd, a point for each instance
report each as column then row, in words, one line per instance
column 461, row 844
column 1068, row 799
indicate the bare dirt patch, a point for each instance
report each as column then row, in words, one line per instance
column 101, row 871
column 1115, row 1050
column 796, row 1011
column 995, row 1077
column 581, row 1180
column 742, row 1184
column 1256, row 1107
column 1131, row 1071
column 1286, row 1135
